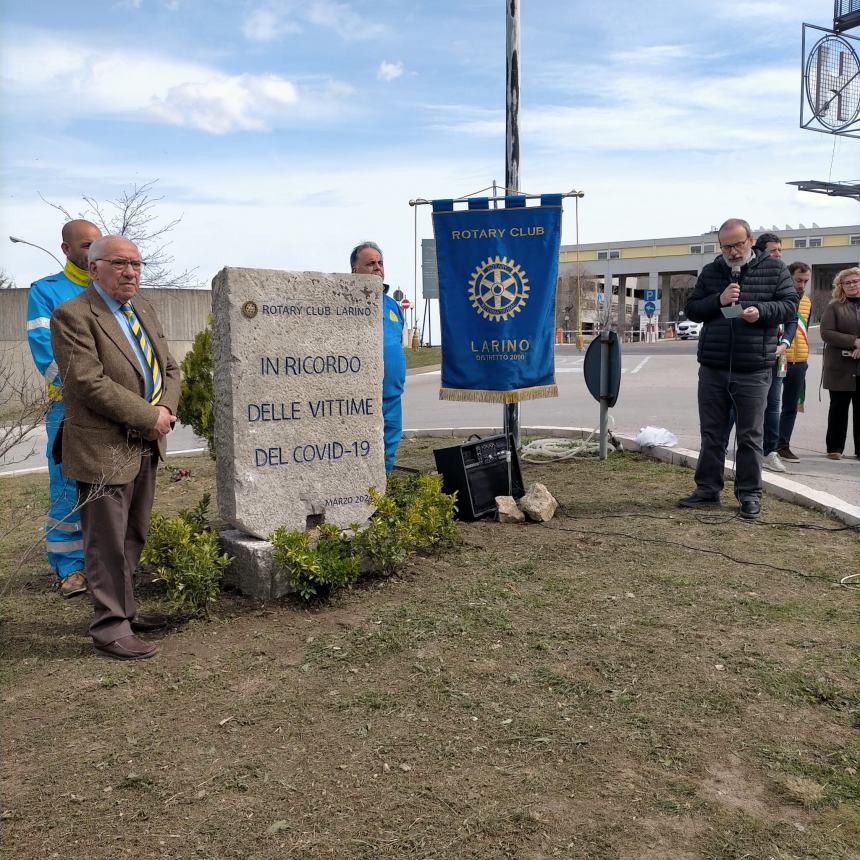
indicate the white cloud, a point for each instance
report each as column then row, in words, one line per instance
column 169, row 5
column 53, row 75
column 226, row 104
column 630, row 108
column 651, row 54
column 265, row 25
column 389, row 71
column 277, row 18
column 759, row 10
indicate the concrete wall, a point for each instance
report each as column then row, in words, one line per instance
column 182, row 312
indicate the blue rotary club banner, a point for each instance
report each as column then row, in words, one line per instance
column 497, row 276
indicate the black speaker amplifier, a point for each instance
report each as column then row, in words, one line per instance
column 478, row 471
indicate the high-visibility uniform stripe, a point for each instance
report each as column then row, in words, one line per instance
column 63, row 545
column 63, row 526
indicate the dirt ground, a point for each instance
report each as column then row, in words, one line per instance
column 627, row 681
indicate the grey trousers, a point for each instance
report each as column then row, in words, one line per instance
column 718, row 392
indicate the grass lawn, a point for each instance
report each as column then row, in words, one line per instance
column 626, row 681
column 423, row 357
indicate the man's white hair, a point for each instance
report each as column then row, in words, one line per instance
column 97, row 248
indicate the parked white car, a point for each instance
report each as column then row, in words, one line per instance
column 688, row 328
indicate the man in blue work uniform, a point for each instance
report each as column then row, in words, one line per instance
column 366, row 259
column 63, row 538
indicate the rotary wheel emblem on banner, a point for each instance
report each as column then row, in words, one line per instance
column 498, row 288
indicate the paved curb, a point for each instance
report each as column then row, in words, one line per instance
column 17, row 473
column 781, row 488
column 425, row 368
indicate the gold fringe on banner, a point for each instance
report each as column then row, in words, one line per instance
column 483, row 395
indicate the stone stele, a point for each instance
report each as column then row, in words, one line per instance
column 298, row 398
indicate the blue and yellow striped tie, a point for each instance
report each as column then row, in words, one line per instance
column 148, row 352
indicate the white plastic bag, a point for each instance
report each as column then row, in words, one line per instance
column 650, row 436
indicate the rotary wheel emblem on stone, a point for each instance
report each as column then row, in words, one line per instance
column 249, row 309
column 498, row 288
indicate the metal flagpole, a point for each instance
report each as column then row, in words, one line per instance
column 511, row 413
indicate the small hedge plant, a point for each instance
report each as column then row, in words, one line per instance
column 196, row 393
column 317, row 570
column 413, row 515
column 185, row 553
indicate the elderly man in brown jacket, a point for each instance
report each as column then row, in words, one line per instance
column 121, row 389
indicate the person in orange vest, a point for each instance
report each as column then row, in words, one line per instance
column 794, row 383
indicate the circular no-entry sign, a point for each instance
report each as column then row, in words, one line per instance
column 405, row 304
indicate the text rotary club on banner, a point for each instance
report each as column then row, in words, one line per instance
column 497, row 276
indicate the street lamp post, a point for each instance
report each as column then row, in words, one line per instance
column 16, row 241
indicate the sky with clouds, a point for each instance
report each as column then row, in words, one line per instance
column 284, row 132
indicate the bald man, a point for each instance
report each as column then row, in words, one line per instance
column 366, row 259
column 63, row 538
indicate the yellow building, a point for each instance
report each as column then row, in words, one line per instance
column 632, row 266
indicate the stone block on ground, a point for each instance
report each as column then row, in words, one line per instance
column 508, row 511
column 253, row 570
column 538, row 504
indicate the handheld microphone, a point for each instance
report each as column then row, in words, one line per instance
column 734, row 309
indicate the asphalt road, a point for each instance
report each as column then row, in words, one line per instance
column 30, row 454
column 658, row 388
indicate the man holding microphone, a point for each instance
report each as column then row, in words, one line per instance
column 741, row 297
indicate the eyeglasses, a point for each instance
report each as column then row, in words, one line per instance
column 735, row 246
column 120, row 265
column 853, row 283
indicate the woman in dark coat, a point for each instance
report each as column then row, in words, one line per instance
column 840, row 331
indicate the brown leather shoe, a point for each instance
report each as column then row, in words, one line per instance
column 73, row 584
column 142, row 623
column 127, row 648
column 834, row 455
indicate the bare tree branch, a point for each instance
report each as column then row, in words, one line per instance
column 133, row 214
column 23, row 406
column 62, row 209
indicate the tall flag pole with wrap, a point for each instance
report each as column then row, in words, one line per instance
column 511, row 413
column 497, row 270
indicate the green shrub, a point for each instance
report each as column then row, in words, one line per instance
column 428, row 512
column 196, row 393
column 198, row 516
column 413, row 515
column 186, row 555
column 315, row 572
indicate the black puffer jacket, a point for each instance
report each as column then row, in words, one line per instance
column 765, row 284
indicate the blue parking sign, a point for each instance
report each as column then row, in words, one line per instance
column 650, row 295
